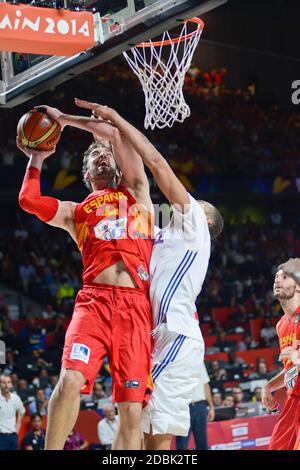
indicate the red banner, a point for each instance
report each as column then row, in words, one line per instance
column 45, row 31
column 241, row 434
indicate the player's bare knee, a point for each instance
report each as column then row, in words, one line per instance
column 131, row 413
column 69, row 385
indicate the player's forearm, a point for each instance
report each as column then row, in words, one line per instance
column 30, row 198
column 94, row 126
column 276, row 382
column 35, row 162
column 139, row 142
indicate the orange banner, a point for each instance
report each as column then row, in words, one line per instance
column 45, row 30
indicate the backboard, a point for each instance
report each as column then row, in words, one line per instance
column 118, row 25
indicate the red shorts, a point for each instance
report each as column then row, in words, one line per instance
column 286, row 433
column 113, row 321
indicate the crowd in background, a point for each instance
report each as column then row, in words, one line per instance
column 229, row 131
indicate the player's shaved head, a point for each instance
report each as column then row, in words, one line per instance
column 214, row 219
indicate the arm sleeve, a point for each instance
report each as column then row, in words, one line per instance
column 31, row 200
column 191, row 224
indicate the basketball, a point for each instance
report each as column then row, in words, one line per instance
column 37, row 130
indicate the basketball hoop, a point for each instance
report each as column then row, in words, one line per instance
column 162, row 78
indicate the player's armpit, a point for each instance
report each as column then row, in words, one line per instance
column 64, row 217
column 169, row 184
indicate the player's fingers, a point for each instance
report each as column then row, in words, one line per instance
column 20, row 145
column 85, row 104
column 42, row 108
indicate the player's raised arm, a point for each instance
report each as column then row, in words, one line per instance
column 128, row 160
column 164, row 176
column 48, row 209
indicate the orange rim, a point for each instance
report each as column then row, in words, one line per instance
column 167, row 42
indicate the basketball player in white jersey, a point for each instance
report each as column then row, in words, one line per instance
column 178, row 268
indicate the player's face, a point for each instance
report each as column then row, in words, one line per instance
column 284, row 286
column 102, row 162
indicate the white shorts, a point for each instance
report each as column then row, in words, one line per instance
column 176, row 362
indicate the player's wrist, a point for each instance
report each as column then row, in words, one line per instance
column 63, row 120
column 35, row 161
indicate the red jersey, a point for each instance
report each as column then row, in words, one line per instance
column 111, row 227
column 288, row 331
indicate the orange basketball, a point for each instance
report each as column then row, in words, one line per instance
column 37, row 130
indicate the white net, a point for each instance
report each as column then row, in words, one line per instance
column 163, row 78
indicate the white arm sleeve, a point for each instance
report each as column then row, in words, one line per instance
column 192, row 224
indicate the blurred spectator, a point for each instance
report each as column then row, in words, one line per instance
column 247, row 343
column 223, row 344
column 33, row 334
column 40, row 404
column 27, row 275
column 49, row 389
column 35, row 439
column 76, row 441
column 238, row 397
column 256, row 394
column 43, row 380
column 48, row 312
column 97, row 399
column 268, row 334
column 217, row 372
column 65, row 291
column 14, row 381
column 23, row 390
column 108, row 426
column 10, row 365
column 261, row 371
column 228, row 401
column 11, row 415
column 217, row 398
column 234, row 361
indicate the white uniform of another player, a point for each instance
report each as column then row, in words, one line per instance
column 178, row 268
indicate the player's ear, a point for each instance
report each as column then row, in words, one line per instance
column 87, row 178
column 119, row 175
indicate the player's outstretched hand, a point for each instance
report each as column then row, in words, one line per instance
column 34, row 153
column 290, row 353
column 98, row 110
column 53, row 112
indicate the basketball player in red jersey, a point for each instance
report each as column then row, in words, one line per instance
column 112, row 312
column 286, row 433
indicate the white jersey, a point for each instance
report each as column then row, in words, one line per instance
column 178, row 268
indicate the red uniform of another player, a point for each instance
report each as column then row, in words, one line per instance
column 112, row 319
column 286, row 434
